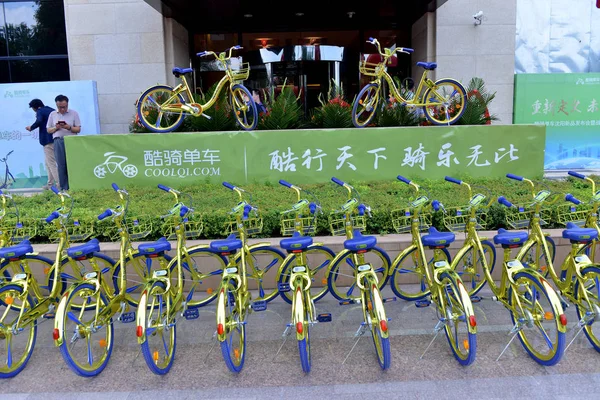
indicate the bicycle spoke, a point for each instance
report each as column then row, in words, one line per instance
column 73, row 318
column 350, row 290
column 158, row 119
column 546, row 337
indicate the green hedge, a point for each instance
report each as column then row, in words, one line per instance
column 213, row 202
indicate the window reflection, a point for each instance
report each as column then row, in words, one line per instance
column 40, row 70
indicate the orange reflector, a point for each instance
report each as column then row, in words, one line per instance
column 324, row 281
column 155, row 356
column 9, row 300
column 369, row 306
column 563, row 319
column 140, row 331
column 102, row 343
column 299, row 328
column 361, row 251
column 236, row 353
column 548, row 315
column 543, row 268
column 55, row 334
column 46, row 270
column 220, row 329
column 472, row 321
column 466, row 344
column 297, row 251
column 209, row 290
column 360, row 102
column 383, row 324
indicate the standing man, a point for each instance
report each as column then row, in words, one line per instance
column 61, row 123
column 42, row 113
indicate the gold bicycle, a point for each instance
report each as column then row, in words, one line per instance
column 443, row 102
column 162, row 108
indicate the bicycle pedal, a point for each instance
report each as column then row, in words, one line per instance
column 259, row 305
column 475, row 299
column 423, row 303
column 191, row 313
column 386, row 300
column 49, row 315
column 127, row 317
column 284, row 287
column 326, row 317
column 347, row 301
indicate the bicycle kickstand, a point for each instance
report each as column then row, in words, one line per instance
column 584, row 321
column 212, row 346
column 437, row 329
column 515, row 331
column 286, row 333
column 359, row 333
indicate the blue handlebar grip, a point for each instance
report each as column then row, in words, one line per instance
column 436, row 205
column 515, row 177
column 576, row 174
column 0, row 191
column 453, row 180
column 183, row 210
column 403, row 179
column 201, row 53
column 312, row 207
column 165, row 188
column 52, row 217
column 54, row 189
column 247, row 209
column 371, row 39
column 336, row 180
column 502, row 200
column 408, row 49
column 572, row 199
column 228, row 185
column 361, row 209
column 284, row 183
column 237, row 47
column 105, row 214
column 115, row 186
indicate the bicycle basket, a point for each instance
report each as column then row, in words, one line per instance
column 78, row 231
column 17, row 232
column 402, row 220
column 307, row 225
column 570, row 213
column 519, row 217
column 138, row 228
column 193, row 228
column 253, row 226
column 455, row 219
column 337, row 223
column 370, row 69
column 242, row 73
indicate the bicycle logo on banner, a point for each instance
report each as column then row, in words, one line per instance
column 113, row 163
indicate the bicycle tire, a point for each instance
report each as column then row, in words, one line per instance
column 459, row 89
column 152, row 352
column 46, row 263
column 67, row 349
column 132, row 299
column 539, row 291
column 8, row 368
column 142, row 114
column 373, row 310
column 359, row 101
column 243, row 123
column 215, row 274
column 460, row 310
column 289, row 263
column 540, row 264
column 228, row 311
column 334, row 273
column 256, row 274
column 593, row 293
column 304, row 342
column 475, row 273
column 398, row 272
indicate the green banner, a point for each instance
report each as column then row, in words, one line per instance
column 304, row 156
column 568, row 105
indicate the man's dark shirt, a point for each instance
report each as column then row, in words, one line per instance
column 41, row 119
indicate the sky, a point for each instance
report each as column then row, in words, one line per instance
column 20, row 12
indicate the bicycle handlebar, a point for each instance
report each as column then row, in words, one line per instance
column 338, row 181
column 502, row 200
column 165, row 188
column 54, row 189
column 285, row 183
column 228, row 185
column 403, row 179
column 515, row 177
column 435, row 204
column 107, row 213
column 115, row 187
column 453, row 180
column 183, row 211
column 576, row 174
column 52, row 216
column 572, row 199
